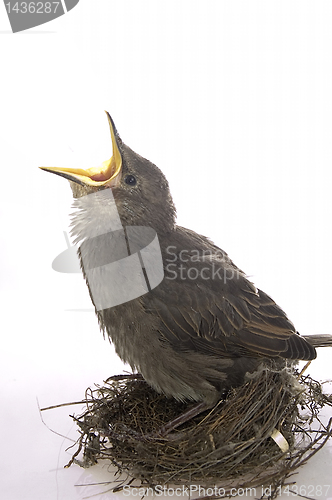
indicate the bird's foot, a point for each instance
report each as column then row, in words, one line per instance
column 166, row 429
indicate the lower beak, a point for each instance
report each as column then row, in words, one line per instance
column 108, row 174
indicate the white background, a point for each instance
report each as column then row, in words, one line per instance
column 233, row 101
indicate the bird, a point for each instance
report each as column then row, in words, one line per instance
column 197, row 333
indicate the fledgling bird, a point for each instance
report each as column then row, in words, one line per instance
column 205, row 325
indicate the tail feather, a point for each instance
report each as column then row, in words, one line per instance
column 319, row 340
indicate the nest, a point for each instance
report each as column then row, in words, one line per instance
column 232, row 444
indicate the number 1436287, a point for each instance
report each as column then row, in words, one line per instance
column 32, row 7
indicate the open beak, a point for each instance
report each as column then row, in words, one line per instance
column 108, row 174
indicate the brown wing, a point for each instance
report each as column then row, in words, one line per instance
column 225, row 317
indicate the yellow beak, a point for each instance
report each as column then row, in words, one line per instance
column 105, row 175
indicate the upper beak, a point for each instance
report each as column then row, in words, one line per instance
column 108, row 174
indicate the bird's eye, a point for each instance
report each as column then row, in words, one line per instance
column 130, row 180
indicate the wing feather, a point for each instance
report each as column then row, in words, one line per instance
column 225, row 317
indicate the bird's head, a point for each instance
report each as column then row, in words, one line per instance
column 139, row 188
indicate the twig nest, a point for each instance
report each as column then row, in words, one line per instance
column 259, row 434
